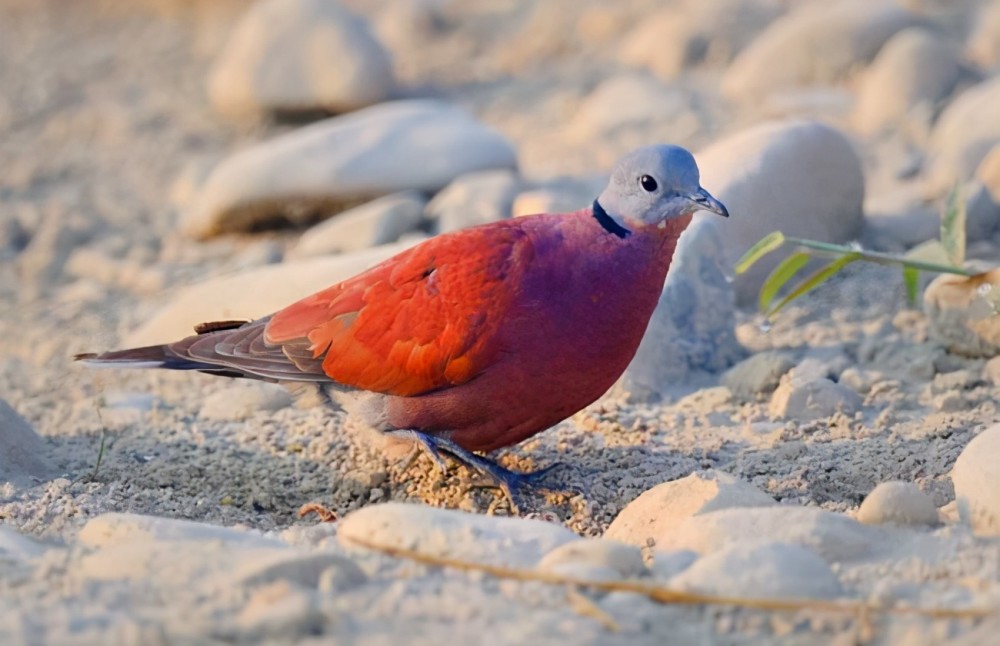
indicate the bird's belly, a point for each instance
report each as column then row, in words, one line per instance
column 546, row 377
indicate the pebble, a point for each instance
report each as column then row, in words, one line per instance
column 668, row 564
column 17, row 547
column 976, row 476
column 630, row 100
column 279, row 612
column 833, row 536
column 253, row 293
column 24, row 459
column 374, row 223
column 622, row 559
column 299, row 56
column 656, row 511
column 309, row 570
column 962, row 313
column 757, row 375
column 813, row 44
column 772, row 173
column 676, row 38
column 983, row 46
column 761, row 571
column 991, row 371
column 692, row 334
column 988, row 173
column 964, row 134
column 916, row 69
column 860, row 380
column 982, row 211
column 813, row 399
column 397, row 146
column 899, row 503
column 473, row 199
column 557, row 197
column 243, row 401
column 516, row 542
column 114, row 529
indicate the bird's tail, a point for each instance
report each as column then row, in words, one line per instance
column 150, row 356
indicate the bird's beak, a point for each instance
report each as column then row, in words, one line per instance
column 706, row 202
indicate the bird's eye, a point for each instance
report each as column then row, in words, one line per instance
column 647, row 183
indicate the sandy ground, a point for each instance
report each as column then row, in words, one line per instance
column 92, row 141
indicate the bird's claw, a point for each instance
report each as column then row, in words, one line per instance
column 512, row 483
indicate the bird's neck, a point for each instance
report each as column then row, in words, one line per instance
column 607, row 222
column 666, row 230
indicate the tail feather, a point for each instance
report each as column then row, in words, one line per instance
column 151, row 356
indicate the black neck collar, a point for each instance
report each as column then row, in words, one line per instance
column 608, row 222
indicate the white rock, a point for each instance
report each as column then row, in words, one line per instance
column 678, row 37
column 279, row 613
column 667, row 565
column 17, row 547
column 982, row 212
column 692, row 333
column 768, row 176
column 757, row 375
column 835, row 537
column 406, row 26
column 254, row 293
column 915, row 69
column 561, row 196
column 661, row 508
column 761, row 571
column 984, row 42
column 966, row 131
column 310, row 570
column 455, row 534
column 627, row 100
column 243, row 401
column 988, row 173
column 976, row 476
column 814, row 399
column 623, row 559
column 374, row 223
column 899, row 503
column 815, row 43
column 299, row 55
column 24, row 456
column 418, row 144
column 991, row 371
column 900, row 219
column 962, row 313
column 473, row 199
column 115, row 529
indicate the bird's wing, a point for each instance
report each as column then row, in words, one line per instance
column 423, row 320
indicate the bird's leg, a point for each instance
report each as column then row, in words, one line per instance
column 422, row 442
column 510, row 482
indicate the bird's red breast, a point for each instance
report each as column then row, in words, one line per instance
column 421, row 321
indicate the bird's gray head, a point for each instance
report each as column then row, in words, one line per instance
column 650, row 186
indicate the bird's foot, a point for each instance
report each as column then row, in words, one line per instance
column 512, row 483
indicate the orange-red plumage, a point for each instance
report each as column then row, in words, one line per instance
column 422, row 321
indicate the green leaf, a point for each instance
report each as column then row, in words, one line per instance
column 931, row 251
column 781, row 275
column 764, row 246
column 953, row 227
column 911, row 278
column 815, row 280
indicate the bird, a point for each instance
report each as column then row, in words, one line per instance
column 476, row 339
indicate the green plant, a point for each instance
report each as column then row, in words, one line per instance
column 946, row 255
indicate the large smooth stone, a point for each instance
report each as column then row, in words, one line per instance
column 299, row 55
column 319, row 169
